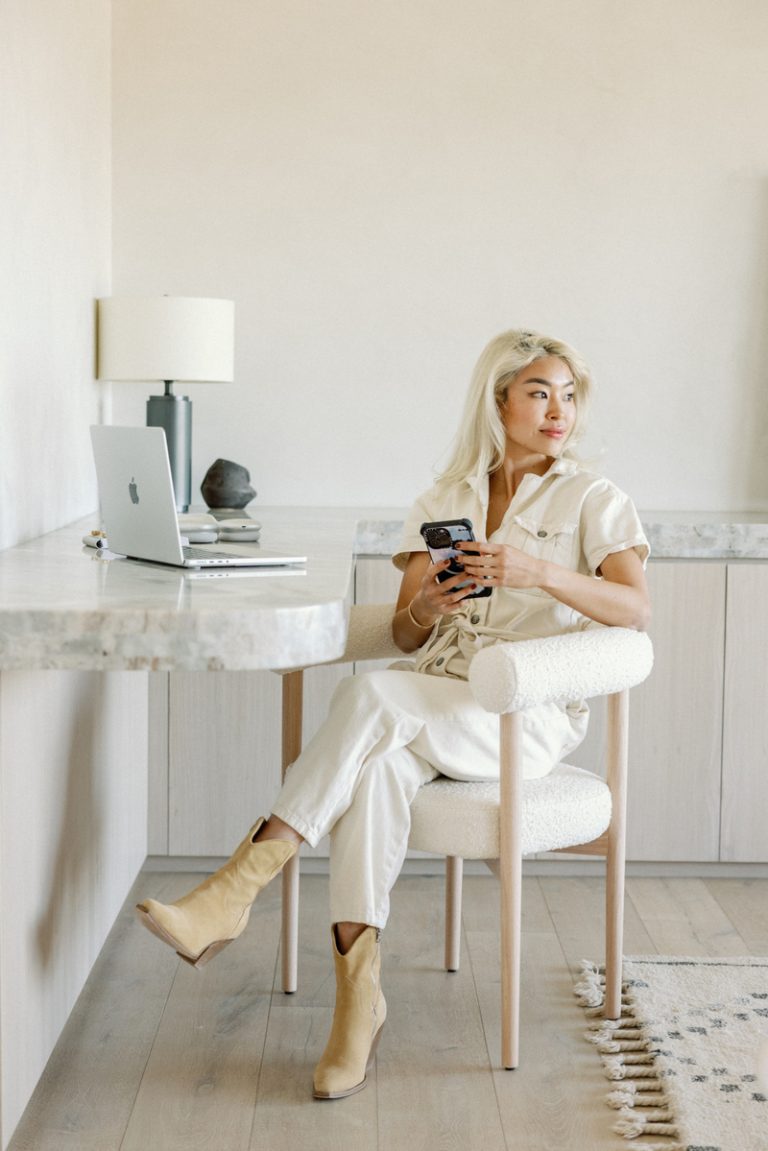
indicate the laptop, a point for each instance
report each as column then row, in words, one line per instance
column 138, row 507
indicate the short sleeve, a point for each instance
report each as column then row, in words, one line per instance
column 411, row 540
column 609, row 524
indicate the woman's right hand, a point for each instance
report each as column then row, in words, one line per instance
column 423, row 600
column 438, row 597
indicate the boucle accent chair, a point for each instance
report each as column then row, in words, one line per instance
column 568, row 810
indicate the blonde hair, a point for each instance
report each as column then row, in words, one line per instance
column 480, row 443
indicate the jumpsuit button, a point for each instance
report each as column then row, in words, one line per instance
column 439, row 661
column 541, row 534
column 475, row 619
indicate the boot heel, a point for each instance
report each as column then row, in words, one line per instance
column 374, row 1046
column 358, row 1086
column 212, row 950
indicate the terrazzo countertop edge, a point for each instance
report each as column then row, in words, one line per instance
column 672, row 535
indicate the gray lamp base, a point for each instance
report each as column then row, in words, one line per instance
column 174, row 415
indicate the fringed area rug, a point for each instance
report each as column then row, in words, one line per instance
column 686, row 1054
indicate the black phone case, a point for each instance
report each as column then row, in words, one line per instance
column 454, row 568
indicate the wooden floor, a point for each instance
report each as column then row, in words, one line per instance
column 159, row 1057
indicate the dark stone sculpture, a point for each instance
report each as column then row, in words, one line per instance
column 227, row 485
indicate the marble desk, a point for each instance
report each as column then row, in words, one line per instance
column 68, row 607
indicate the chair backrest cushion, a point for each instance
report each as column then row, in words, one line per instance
column 567, row 807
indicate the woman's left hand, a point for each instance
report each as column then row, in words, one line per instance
column 619, row 598
column 500, row 565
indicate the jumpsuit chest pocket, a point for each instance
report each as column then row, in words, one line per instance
column 547, row 539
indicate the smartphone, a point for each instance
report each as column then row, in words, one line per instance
column 441, row 537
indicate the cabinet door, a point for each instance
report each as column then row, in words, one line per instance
column 224, row 753
column 377, row 580
column 223, row 757
column 675, row 725
column 745, row 725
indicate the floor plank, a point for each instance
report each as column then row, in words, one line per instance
column 682, row 917
column 745, row 903
column 577, row 907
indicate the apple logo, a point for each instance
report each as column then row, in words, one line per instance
column 133, row 491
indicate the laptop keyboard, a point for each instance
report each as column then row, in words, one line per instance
column 191, row 553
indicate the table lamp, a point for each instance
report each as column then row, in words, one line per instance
column 168, row 339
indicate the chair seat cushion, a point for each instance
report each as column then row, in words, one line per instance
column 565, row 808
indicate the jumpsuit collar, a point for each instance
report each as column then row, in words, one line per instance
column 563, row 466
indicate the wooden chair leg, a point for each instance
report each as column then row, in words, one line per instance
column 292, row 703
column 454, row 874
column 618, row 715
column 510, row 874
column 290, row 928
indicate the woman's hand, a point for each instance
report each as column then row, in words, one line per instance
column 500, row 565
column 618, row 598
column 423, row 600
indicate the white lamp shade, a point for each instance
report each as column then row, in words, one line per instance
column 166, row 338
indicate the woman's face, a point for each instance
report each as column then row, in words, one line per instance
column 540, row 409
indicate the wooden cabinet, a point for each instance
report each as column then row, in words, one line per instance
column 698, row 727
column 218, row 767
column 744, row 816
column 676, row 719
column 223, row 757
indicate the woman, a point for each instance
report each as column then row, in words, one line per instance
column 565, row 550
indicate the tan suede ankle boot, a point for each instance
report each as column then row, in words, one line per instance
column 357, row 1019
column 200, row 924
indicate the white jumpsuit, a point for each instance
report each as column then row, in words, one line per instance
column 389, row 732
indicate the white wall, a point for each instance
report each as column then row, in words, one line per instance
column 55, row 109
column 73, row 814
column 382, row 187
column 73, row 747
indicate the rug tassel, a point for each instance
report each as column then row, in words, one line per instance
column 618, row 1028
column 628, row 1095
column 616, row 1068
column 659, row 1147
column 589, row 989
column 613, row 1045
column 598, row 1033
column 630, row 1124
column 608, row 1039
